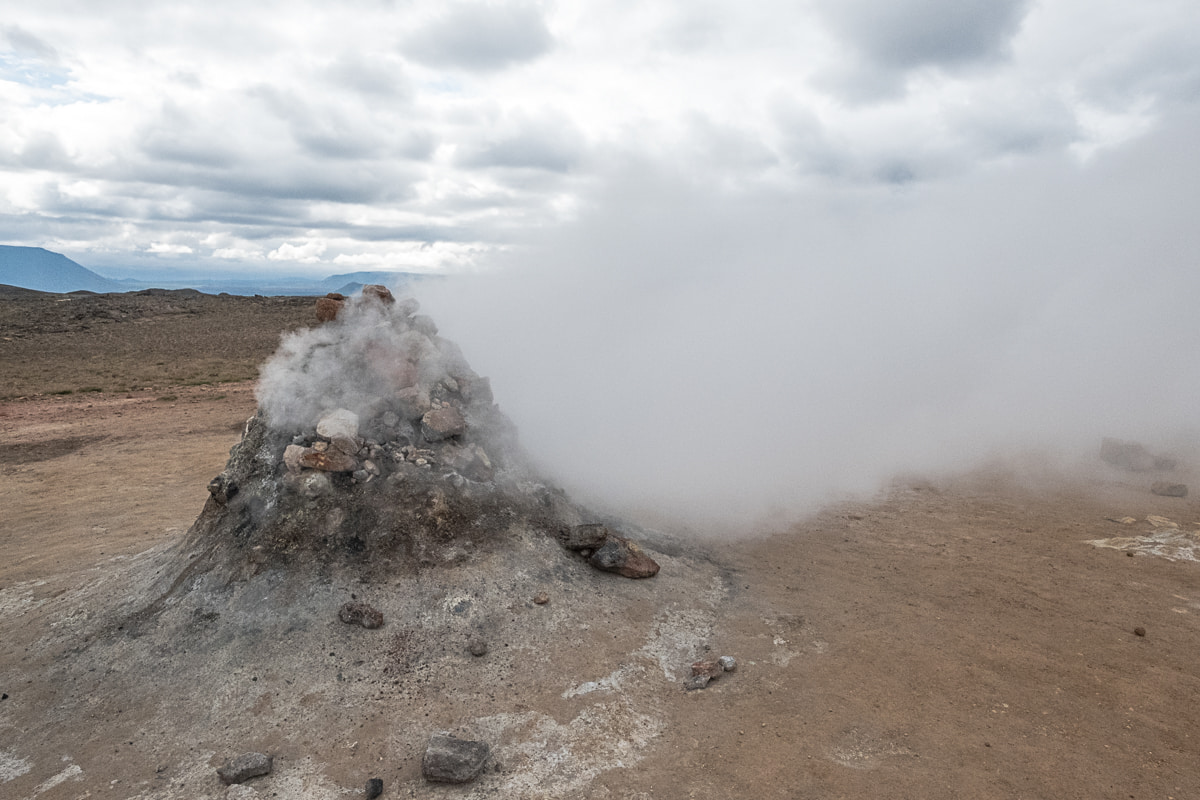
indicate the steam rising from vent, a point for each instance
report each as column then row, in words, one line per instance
column 715, row 354
column 371, row 353
column 376, row 446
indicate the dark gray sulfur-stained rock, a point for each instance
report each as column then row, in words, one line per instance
column 223, row 488
column 245, row 767
column 1167, row 489
column 624, row 558
column 584, row 537
column 360, row 613
column 451, row 760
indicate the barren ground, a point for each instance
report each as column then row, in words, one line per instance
column 946, row 639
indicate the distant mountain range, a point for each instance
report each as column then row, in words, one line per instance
column 46, row 271
column 40, row 269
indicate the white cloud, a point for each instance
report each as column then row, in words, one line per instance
column 306, row 253
column 164, row 248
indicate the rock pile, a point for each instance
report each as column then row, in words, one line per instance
column 375, row 442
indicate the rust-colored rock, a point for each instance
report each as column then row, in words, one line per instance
column 331, row 460
column 329, row 306
column 379, row 293
column 624, row 558
column 709, row 668
column 442, row 423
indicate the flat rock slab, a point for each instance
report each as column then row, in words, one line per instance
column 245, row 767
column 451, row 760
column 1167, row 489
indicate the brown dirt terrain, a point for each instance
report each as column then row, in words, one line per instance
column 949, row 638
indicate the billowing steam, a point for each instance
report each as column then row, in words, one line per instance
column 713, row 355
column 364, row 360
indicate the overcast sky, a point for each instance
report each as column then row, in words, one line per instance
column 317, row 137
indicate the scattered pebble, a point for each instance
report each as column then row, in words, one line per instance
column 1139, row 631
column 359, row 613
column 541, row 598
column 728, row 663
column 374, row 788
column 477, row 647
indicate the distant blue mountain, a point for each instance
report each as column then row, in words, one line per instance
column 45, row 271
column 336, row 283
column 40, row 269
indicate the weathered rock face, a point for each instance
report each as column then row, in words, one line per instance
column 376, row 445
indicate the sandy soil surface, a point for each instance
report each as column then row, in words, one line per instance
column 946, row 639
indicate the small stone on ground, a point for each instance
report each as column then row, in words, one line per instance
column 451, row 760
column 245, row 767
column 359, row 613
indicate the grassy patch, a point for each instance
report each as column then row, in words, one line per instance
column 64, row 391
column 90, row 389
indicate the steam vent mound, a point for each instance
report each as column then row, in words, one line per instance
column 378, row 586
column 376, row 447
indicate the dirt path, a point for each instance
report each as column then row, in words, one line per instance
column 95, row 476
column 945, row 641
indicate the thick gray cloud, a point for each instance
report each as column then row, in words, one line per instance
column 910, row 33
column 481, row 36
column 374, row 75
column 887, row 40
column 26, row 44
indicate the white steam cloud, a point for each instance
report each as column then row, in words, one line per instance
column 716, row 355
column 363, row 362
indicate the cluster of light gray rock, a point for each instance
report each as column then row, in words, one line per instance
column 337, row 447
column 423, row 421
